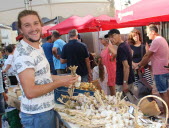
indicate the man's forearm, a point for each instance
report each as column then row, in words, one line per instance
column 55, row 54
column 88, row 65
column 54, row 51
column 144, row 61
column 126, row 74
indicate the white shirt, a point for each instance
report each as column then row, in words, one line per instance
column 9, row 61
column 26, row 56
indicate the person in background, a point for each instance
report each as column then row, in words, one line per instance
column 100, row 73
column 158, row 54
column 3, row 96
column 124, row 72
column 8, row 69
column 138, row 51
column 4, row 55
column 92, row 61
column 47, row 47
column 33, row 73
column 109, row 60
column 76, row 53
column 57, row 50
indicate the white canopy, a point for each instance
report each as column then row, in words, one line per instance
column 9, row 9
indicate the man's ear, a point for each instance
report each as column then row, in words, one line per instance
column 153, row 32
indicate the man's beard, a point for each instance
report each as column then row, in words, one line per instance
column 32, row 40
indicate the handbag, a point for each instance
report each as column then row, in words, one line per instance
column 143, row 86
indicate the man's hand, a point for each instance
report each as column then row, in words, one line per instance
column 4, row 71
column 135, row 65
column 5, row 96
column 125, row 87
column 66, row 80
column 58, row 56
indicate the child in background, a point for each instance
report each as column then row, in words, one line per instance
column 100, row 73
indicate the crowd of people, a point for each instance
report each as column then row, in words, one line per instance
column 117, row 67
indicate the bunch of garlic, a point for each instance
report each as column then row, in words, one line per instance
column 73, row 73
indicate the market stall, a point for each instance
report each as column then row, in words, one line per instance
column 14, row 94
column 85, row 105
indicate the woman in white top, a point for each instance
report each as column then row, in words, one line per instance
column 8, row 64
column 100, row 73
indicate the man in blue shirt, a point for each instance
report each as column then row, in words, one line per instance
column 47, row 47
column 124, row 72
column 57, row 49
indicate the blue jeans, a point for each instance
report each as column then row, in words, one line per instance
column 41, row 120
column 53, row 71
column 162, row 82
column 2, row 104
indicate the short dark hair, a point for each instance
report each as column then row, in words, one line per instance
column 106, row 36
column 153, row 27
column 113, row 31
column 56, row 34
column 49, row 37
column 26, row 13
column 10, row 48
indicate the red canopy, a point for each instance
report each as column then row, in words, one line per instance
column 74, row 22
column 106, row 23
column 145, row 11
column 45, row 33
column 90, row 24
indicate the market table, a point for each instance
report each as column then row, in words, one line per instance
column 59, row 116
column 13, row 95
column 15, row 102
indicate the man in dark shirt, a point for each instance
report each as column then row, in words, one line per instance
column 75, row 53
column 47, row 48
column 124, row 72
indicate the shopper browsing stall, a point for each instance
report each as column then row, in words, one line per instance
column 158, row 54
column 124, row 72
column 138, row 51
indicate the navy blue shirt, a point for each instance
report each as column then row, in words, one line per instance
column 75, row 53
column 47, row 48
column 138, row 52
column 123, row 53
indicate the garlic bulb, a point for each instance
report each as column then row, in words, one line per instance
column 77, row 84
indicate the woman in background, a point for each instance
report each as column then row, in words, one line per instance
column 108, row 55
column 139, row 49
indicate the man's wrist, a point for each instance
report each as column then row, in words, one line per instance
column 139, row 66
column 124, row 82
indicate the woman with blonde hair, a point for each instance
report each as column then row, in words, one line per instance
column 138, row 50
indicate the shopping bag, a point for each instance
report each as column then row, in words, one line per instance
column 144, row 88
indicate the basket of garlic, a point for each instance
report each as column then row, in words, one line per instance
column 160, row 125
column 102, row 111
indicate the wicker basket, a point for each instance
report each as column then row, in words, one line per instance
column 137, row 109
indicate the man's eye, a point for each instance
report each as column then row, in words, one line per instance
column 26, row 25
column 37, row 23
